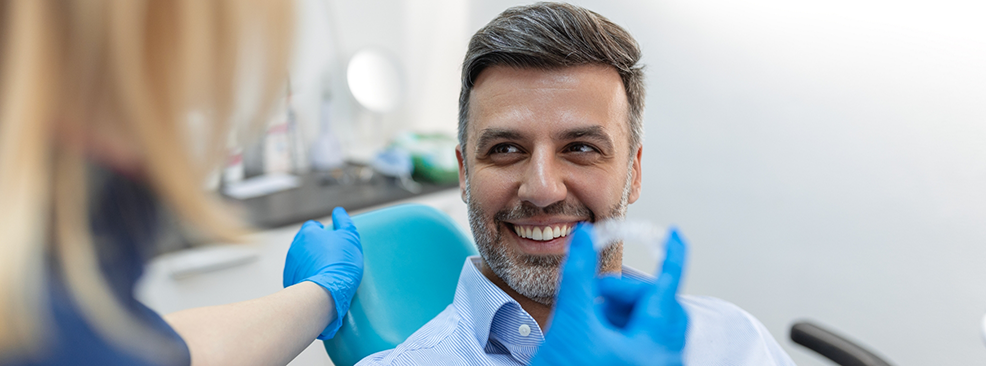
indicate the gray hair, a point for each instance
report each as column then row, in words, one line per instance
column 555, row 35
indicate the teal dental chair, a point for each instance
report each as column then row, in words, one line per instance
column 412, row 257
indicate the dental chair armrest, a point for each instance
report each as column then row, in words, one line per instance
column 834, row 347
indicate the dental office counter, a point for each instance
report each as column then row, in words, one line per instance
column 314, row 199
column 223, row 273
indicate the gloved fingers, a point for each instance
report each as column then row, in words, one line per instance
column 620, row 296
column 310, row 224
column 341, row 219
column 343, row 224
column 659, row 316
column 577, row 287
column 577, row 336
column 659, row 309
column 297, row 251
column 674, row 260
column 624, row 289
column 676, row 320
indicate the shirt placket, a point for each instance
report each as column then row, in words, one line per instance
column 517, row 331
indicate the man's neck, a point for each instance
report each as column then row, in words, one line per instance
column 540, row 312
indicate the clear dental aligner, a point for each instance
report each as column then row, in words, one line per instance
column 608, row 232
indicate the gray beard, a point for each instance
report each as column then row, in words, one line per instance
column 535, row 276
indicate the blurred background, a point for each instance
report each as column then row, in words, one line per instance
column 826, row 159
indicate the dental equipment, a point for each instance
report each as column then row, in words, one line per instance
column 637, row 232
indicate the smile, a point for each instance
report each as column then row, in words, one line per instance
column 543, row 233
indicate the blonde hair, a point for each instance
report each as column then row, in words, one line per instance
column 137, row 68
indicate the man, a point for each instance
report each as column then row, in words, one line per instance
column 550, row 131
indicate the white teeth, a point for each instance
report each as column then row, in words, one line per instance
column 544, row 233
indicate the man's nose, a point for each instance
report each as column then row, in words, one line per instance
column 543, row 182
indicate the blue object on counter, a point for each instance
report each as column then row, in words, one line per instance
column 393, row 162
column 412, row 258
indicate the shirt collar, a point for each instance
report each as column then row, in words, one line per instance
column 477, row 299
column 488, row 309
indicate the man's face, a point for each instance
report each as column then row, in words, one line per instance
column 545, row 149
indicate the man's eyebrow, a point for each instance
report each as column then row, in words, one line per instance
column 490, row 134
column 591, row 132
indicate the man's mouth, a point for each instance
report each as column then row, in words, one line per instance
column 544, row 232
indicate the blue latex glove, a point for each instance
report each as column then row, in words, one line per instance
column 636, row 323
column 620, row 296
column 332, row 259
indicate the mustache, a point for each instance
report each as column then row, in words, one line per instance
column 526, row 209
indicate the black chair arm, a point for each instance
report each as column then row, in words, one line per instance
column 834, row 347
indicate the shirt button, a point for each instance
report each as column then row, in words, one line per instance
column 524, row 330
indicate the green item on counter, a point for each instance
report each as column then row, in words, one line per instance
column 433, row 156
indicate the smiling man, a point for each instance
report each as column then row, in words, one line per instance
column 550, row 135
column 544, row 150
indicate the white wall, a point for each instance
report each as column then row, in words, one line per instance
column 826, row 159
column 426, row 39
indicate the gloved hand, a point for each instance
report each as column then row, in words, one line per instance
column 332, row 259
column 637, row 323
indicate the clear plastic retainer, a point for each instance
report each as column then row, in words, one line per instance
column 637, row 232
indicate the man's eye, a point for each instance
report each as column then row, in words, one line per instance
column 504, row 149
column 581, row 148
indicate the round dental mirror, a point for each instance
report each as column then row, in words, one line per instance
column 374, row 80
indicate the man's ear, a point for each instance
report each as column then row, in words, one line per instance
column 635, row 186
column 462, row 171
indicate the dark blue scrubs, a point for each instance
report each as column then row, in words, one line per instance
column 125, row 216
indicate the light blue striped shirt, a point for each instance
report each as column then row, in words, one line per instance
column 485, row 326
